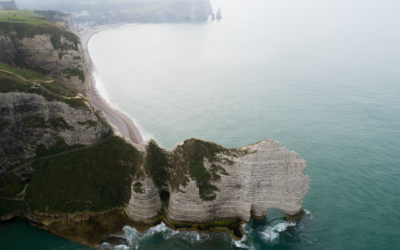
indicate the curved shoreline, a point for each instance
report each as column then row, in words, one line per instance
column 126, row 126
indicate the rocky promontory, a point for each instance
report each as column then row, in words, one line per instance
column 207, row 182
column 65, row 168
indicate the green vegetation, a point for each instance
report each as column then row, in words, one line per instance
column 9, row 206
column 29, row 16
column 58, row 147
column 59, row 124
column 231, row 224
column 58, row 88
column 214, row 170
column 49, row 14
column 27, row 30
column 22, row 80
column 138, row 188
column 88, row 123
column 4, row 125
column 36, row 121
column 94, row 179
column 9, row 83
column 74, row 72
column 187, row 161
column 158, row 220
column 157, row 164
column 192, row 154
column 15, row 186
column 60, row 56
column 96, row 230
column 27, row 74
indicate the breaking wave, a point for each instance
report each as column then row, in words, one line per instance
column 135, row 238
column 271, row 233
column 245, row 242
column 308, row 212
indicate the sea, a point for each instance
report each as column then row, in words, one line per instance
column 321, row 77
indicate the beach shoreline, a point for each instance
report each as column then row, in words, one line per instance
column 126, row 126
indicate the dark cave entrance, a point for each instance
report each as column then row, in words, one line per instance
column 164, row 195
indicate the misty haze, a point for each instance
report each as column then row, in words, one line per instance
column 199, row 124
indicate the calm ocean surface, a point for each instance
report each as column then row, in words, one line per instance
column 321, row 77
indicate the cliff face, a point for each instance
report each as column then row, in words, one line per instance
column 47, row 49
column 63, row 19
column 207, row 182
column 64, row 167
column 183, row 10
column 34, row 126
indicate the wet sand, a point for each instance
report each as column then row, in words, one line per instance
column 125, row 125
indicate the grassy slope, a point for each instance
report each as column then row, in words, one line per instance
column 92, row 179
column 22, row 80
column 28, row 15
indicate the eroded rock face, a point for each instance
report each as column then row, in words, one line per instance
column 145, row 203
column 209, row 183
column 65, row 21
column 62, row 59
column 31, row 124
column 183, row 10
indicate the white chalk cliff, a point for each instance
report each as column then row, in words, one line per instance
column 243, row 182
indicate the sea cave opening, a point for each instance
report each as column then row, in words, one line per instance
column 164, row 195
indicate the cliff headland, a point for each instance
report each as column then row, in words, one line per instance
column 65, row 166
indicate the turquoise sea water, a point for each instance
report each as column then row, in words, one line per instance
column 321, row 77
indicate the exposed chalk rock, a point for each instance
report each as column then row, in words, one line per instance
column 28, row 119
column 242, row 182
column 62, row 60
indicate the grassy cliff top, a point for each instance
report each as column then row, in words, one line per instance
column 14, row 79
column 29, row 16
column 35, row 23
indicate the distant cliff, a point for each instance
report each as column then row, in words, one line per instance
column 179, row 10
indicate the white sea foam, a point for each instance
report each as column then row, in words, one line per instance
column 271, row 233
column 134, row 237
column 241, row 243
column 308, row 212
column 192, row 236
column 122, row 247
column 101, row 89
